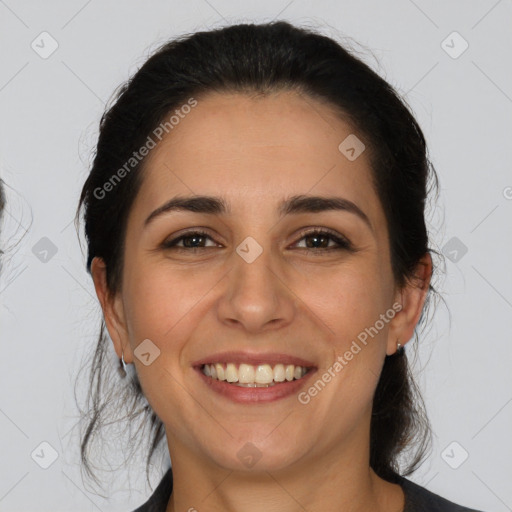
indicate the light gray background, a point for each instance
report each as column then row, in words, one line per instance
column 50, row 109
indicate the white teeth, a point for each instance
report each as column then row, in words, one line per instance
column 220, row 372
column 279, row 373
column 246, row 373
column 231, row 373
column 254, row 376
column 264, row 374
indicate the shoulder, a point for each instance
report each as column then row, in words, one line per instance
column 419, row 499
column 157, row 502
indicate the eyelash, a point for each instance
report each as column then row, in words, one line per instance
column 343, row 243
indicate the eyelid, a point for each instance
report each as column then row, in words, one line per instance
column 310, row 230
column 341, row 241
column 199, row 230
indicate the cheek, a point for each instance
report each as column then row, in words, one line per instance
column 158, row 300
column 161, row 306
column 353, row 307
column 353, row 304
column 351, row 299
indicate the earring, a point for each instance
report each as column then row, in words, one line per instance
column 122, row 365
column 399, row 347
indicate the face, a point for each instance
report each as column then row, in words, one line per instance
column 302, row 284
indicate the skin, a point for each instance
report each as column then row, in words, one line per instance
column 255, row 152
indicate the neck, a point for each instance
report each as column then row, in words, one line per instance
column 331, row 480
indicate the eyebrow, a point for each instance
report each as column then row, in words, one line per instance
column 296, row 204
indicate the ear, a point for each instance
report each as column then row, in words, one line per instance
column 412, row 298
column 113, row 311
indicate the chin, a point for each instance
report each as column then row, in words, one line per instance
column 253, row 455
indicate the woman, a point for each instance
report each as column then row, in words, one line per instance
column 256, row 237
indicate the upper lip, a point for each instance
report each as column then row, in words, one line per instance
column 254, row 358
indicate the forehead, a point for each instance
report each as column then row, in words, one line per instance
column 256, row 150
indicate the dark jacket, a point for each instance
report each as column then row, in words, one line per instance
column 417, row 498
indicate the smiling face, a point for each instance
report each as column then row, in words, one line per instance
column 285, row 290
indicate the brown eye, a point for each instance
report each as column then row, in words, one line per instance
column 191, row 240
column 319, row 240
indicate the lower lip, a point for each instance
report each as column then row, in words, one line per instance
column 255, row 395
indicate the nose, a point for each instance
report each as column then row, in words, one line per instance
column 257, row 297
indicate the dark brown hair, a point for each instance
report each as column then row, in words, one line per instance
column 260, row 59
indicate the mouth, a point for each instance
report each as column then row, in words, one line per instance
column 254, row 376
column 250, row 378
